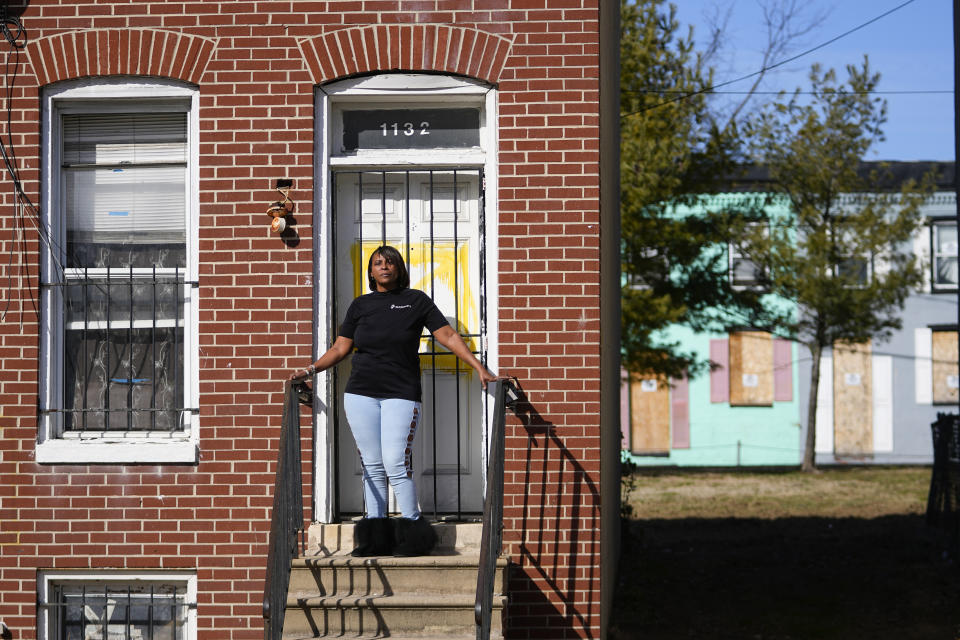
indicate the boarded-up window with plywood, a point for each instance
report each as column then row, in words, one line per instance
column 946, row 377
column 751, row 368
column 852, row 399
column 649, row 414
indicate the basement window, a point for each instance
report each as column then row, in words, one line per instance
column 117, row 607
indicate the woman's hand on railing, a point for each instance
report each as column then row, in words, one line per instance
column 486, row 376
column 300, row 374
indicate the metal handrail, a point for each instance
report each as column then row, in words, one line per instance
column 286, row 524
column 943, row 500
column 491, row 538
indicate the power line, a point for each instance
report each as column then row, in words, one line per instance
column 712, row 89
column 26, row 214
column 776, row 93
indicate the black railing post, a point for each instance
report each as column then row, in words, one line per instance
column 943, row 501
column 491, row 537
column 286, row 523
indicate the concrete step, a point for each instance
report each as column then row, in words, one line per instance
column 344, row 575
column 333, row 594
column 440, row 616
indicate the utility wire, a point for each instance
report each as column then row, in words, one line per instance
column 780, row 63
column 18, row 234
column 810, row 93
column 26, row 213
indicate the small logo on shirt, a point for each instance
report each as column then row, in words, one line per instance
column 400, row 306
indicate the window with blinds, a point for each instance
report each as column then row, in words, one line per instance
column 121, row 278
column 124, row 188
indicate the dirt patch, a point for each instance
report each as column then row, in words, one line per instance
column 785, row 556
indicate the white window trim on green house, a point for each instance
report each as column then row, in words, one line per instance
column 737, row 262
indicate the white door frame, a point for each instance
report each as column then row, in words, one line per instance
column 387, row 89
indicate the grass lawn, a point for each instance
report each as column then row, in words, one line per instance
column 778, row 555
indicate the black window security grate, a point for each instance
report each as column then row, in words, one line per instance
column 123, row 349
column 118, row 612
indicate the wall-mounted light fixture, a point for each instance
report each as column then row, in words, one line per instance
column 279, row 209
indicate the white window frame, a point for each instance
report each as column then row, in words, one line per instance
column 53, row 446
column 48, row 580
column 387, row 90
column 935, row 224
column 868, row 260
column 734, row 254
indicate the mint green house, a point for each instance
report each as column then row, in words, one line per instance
column 745, row 411
column 876, row 400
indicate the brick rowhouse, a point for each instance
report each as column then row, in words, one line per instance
column 255, row 67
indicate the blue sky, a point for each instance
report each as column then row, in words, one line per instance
column 912, row 48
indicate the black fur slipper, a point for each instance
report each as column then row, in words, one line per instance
column 413, row 537
column 373, row 537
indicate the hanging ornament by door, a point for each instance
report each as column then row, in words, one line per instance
column 281, row 208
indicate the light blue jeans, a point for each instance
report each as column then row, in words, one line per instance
column 384, row 431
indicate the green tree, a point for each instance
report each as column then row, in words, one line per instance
column 843, row 253
column 672, row 152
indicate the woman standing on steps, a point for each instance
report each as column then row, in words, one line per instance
column 382, row 398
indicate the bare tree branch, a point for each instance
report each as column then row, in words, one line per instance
column 786, row 22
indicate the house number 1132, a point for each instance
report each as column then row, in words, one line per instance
column 406, row 128
column 415, row 128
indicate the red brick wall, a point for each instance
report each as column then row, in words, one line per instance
column 256, row 64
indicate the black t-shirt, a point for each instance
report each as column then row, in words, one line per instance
column 386, row 328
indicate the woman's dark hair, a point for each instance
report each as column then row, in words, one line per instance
column 392, row 256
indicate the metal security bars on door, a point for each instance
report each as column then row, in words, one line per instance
column 434, row 217
column 123, row 349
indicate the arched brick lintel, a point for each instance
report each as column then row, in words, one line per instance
column 441, row 48
column 106, row 52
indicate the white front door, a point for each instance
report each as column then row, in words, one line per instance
column 435, row 219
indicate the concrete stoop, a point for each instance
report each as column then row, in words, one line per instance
column 333, row 594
